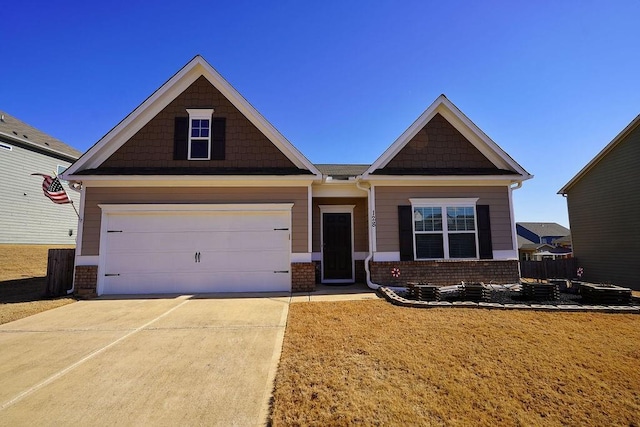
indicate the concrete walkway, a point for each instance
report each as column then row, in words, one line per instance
column 167, row 361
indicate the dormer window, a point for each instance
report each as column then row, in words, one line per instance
column 199, row 147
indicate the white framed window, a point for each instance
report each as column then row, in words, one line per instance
column 199, row 146
column 444, row 229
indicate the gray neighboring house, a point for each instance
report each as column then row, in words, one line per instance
column 27, row 216
column 538, row 240
column 603, row 200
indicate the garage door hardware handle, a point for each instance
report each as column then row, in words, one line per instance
column 114, row 231
column 197, row 258
column 281, row 271
column 111, row 274
column 280, row 229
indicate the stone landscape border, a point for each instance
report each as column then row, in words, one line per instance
column 392, row 297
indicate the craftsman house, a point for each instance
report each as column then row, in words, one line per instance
column 28, row 217
column 195, row 191
column 603, row 201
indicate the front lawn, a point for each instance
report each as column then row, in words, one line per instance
column 23, row 283
column 372, row 363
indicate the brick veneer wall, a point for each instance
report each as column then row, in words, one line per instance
column 443, row 273
column 86, row 281
column 303, row 277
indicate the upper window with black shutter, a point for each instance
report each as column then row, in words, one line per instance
column 199, row 142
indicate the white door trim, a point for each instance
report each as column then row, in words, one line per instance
column 336, row 209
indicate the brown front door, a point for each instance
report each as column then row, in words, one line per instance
column 337, row 263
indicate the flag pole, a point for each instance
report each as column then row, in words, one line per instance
column 73, row 205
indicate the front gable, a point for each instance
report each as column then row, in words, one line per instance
column 154, row 146
column 439, row 147
column 145, row 142
column 444, row 142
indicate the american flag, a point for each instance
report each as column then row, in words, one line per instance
column 53, row 189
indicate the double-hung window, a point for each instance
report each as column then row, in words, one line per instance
column 199, row 147
column 444, row 228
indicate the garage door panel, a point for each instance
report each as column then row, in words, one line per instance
column 169, row 262
column 236, row 221
column 156, row 253
column 131, row 242
column 197, row 282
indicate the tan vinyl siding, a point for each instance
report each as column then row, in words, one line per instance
column 603, row 213
column 360, row 233
column 95, row 196
column 27, row 215
column 439, row 145
column 245, row 146
column 389, row 198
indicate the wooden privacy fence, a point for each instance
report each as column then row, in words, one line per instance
column 549, row 269
column 60, row 271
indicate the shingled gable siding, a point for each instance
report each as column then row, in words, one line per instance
column 95, row 196
column 153, row 145
column 603, row 213
column 360, row 232
column 439, row 145
column 389, row 198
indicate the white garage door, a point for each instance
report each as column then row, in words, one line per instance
column 196, row 249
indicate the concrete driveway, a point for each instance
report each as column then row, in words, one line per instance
column 165, row 361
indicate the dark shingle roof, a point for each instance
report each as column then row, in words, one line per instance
column 16, row 130
column 443, row 171
column 193, row 171
column 342, row 171
column 545, row 228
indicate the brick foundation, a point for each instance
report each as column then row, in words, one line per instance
column 303, row 277
column 443, row 273
column 86, row 281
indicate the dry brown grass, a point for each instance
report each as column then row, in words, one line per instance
column 371, row 363
column 23, row 273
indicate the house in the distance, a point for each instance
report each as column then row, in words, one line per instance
column 195, row 191
column 542, row 240
column 28, row 217
column 603, row 200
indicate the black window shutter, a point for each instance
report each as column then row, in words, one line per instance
column 484, row 232
column 218, row 137
column 180, row 138
column 405, row 227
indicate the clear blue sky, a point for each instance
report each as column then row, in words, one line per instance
column 552, row 82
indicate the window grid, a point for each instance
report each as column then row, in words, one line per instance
column 199, row 134
column 458, row 233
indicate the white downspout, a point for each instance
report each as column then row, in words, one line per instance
column 370, row 228
column 514, row 237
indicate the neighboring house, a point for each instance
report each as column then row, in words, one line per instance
column 542, row 240
column 603, row 201
column 541, row 232
column 27, row 216
column 195, row 191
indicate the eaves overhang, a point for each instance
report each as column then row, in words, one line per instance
column 37, row 147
